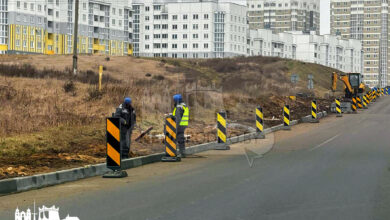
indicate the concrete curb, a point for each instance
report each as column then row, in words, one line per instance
column 21, row 184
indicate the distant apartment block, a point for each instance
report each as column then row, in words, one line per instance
column 368, row 21
column 46, row 27
column 189, row 29
column 327, row 50
column 284, row 15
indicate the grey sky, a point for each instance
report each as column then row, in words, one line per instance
column 325, row 17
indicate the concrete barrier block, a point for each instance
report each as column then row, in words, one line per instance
column 8, row 186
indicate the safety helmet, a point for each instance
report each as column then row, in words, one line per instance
column 127, row 100
column 177, row 98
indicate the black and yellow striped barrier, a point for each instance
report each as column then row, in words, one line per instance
column 365, row 101
column 286, row 117
column 113, row 148
column 359, row 102
column 222, row 131
column 338, row 108
column 382, row 91
column 314, row 111
column 259, row 123
column 170, row 140
column 353, row 105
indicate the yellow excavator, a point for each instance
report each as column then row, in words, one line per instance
column 353, row 87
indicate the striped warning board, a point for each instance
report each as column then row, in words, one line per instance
column 170, row 137
column 221, row 127
column 314, row 109
column 338, row 107
column 354, row 104
column 259, row 120
column 359, row 102
column 286, row 116
column 365, row 101
column 113, row 135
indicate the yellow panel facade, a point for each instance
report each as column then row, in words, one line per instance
column 30, row 39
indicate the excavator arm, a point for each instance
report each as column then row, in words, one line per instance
column 344, row 79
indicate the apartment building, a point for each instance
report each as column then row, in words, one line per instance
column 46, row 27
column 366, row 20
column 327, row 50
column 189, row 29
column 284, row 15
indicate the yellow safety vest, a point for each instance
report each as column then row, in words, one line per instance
column 185, row 117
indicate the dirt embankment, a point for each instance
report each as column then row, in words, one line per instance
column 51, row 121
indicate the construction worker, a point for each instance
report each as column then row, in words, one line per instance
column 182, row 113
column 126, row 113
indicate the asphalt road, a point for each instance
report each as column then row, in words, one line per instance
column 337, row 169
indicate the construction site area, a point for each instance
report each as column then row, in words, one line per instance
column 51, row 120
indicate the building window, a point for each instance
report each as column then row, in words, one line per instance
column 206, row 36
column 195, row 46
column 18, row 4
column 174, row 27
column 184, row 36
column 147, row 46
column 206, row 46
column 184, row 27
column 195, row 16
column 206, row 26
column 185, row 17
column 206, row 16
column 195, row 36
column 146, row 27
column 25, row 5
column 146, row 18
column 174, row 46
column 113, row 11
column 184, row 46
column 195, row 26
column 174, row 17
column 32, row 6
column 174, row 36
column 113, row 22
column 165, row 45
column 157, row 7
column 164, row 36
column 147, row 8
column 146, row 37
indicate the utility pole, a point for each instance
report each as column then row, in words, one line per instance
column 75, row 36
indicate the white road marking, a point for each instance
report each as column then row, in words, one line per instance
column 325, row 142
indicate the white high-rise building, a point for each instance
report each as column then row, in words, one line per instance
column 368, row 21
column 189, row 29
column 284, row 15
column 328, row 50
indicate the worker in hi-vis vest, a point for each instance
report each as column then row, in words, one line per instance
column 182, row 114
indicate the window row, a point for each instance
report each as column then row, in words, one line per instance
column 175, row 36
column 175, row 46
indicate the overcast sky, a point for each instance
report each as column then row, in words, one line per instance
column 325, row 17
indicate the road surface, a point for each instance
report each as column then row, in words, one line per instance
column 337, row 169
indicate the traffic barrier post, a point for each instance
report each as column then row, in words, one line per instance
column 314, row 111
column 222, row 131
column 259, row 123
column 170, row 140
column 113, row 148
column 359, row 102
column 354, row 106
column 338, row 108
column 286, row 118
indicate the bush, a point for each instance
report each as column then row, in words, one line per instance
column 94, row 94
column 158, row 77
column 69, row 86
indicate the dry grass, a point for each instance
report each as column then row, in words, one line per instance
column 44, row 115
